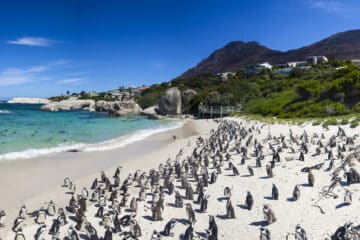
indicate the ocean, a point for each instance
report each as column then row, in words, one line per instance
column 26, row 131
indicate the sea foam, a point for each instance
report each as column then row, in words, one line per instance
column 5, row 112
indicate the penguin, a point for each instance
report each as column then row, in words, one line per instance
column 108, row 234
column 2, row 218
column 311, row 179
column 73, row 235
column 347, row 197
column 227, row 192
column 301, row 157
column 40, row 232
column 300, row 233
column 168, row 227
column 66, row 182
column 251, row 171
column 269, row 171
column 274, row 192
column 189, row 233
column 135, row 229
column 51, row 210
column 269, row 215
column 190, row 213
column 204, row 203
column 155, row 236
column 265, row 234
column 249, row 201
column 296, row 193
column 212, row 231
column 19, row 235
column 230, row 212
column 133, row 205
column 235, row 171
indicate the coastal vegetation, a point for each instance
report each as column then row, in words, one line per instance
column 325, row 90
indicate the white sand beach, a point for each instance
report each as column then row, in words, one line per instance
column 34, row 182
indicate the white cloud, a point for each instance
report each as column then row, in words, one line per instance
column 346, row 9
column 60, row 62
column 16, row 76
column 72, row 81
column 13, row 80
column 330, row 6
column 33, row 41
column 11, row 77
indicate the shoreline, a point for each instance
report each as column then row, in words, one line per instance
column 33, row 181
column 110, row 144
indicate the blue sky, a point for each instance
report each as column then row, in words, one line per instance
column 49, row 47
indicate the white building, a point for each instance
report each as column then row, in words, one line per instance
column 356, row 62
column 256, row 68
column 316, row 59
column 296, row 64
column 225, row 75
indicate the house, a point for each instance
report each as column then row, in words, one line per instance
column 139, row 90
column 283, row 71
column 225, row 75
column 316, row 59
column 296, row 64
column 256, row 68
column 356, row 62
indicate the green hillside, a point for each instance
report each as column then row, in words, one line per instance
column 327, row 89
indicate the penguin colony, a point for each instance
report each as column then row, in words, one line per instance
column 183, row 183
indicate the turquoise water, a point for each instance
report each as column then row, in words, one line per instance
column 26, row 131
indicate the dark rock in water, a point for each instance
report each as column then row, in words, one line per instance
column 61, row 131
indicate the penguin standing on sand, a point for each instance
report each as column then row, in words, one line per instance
column 212, row 230
column 311, row 178
column 108, row 234
column 296, row 193
column 249, row 201
column 189, row 233
column 274, row 192
column 230, row 212
column 169, row 225
column 204, row 203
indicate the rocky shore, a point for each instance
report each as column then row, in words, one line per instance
column 29, row 100
column 173, row 103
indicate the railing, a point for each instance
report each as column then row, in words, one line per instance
column 221, row 111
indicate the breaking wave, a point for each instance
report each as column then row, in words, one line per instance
column 88, row 147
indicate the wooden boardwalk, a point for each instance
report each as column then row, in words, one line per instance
column 218, row 111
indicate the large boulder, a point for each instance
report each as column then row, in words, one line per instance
column 70, row 104
column 151, row 113
column 186, row 97
column 123, row 108
column 170, row 102
column 102, row 106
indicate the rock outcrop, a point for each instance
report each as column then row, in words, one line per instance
column 151, row 112
column 123, row 108
column 170, row 102
column 118, row 108
column 70, row 104
column 29, row 100
column 186, row 97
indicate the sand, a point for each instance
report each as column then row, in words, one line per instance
column 36, row 181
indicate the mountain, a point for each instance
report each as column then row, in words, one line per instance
column 234, row 55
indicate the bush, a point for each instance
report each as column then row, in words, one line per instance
column 354, row 123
